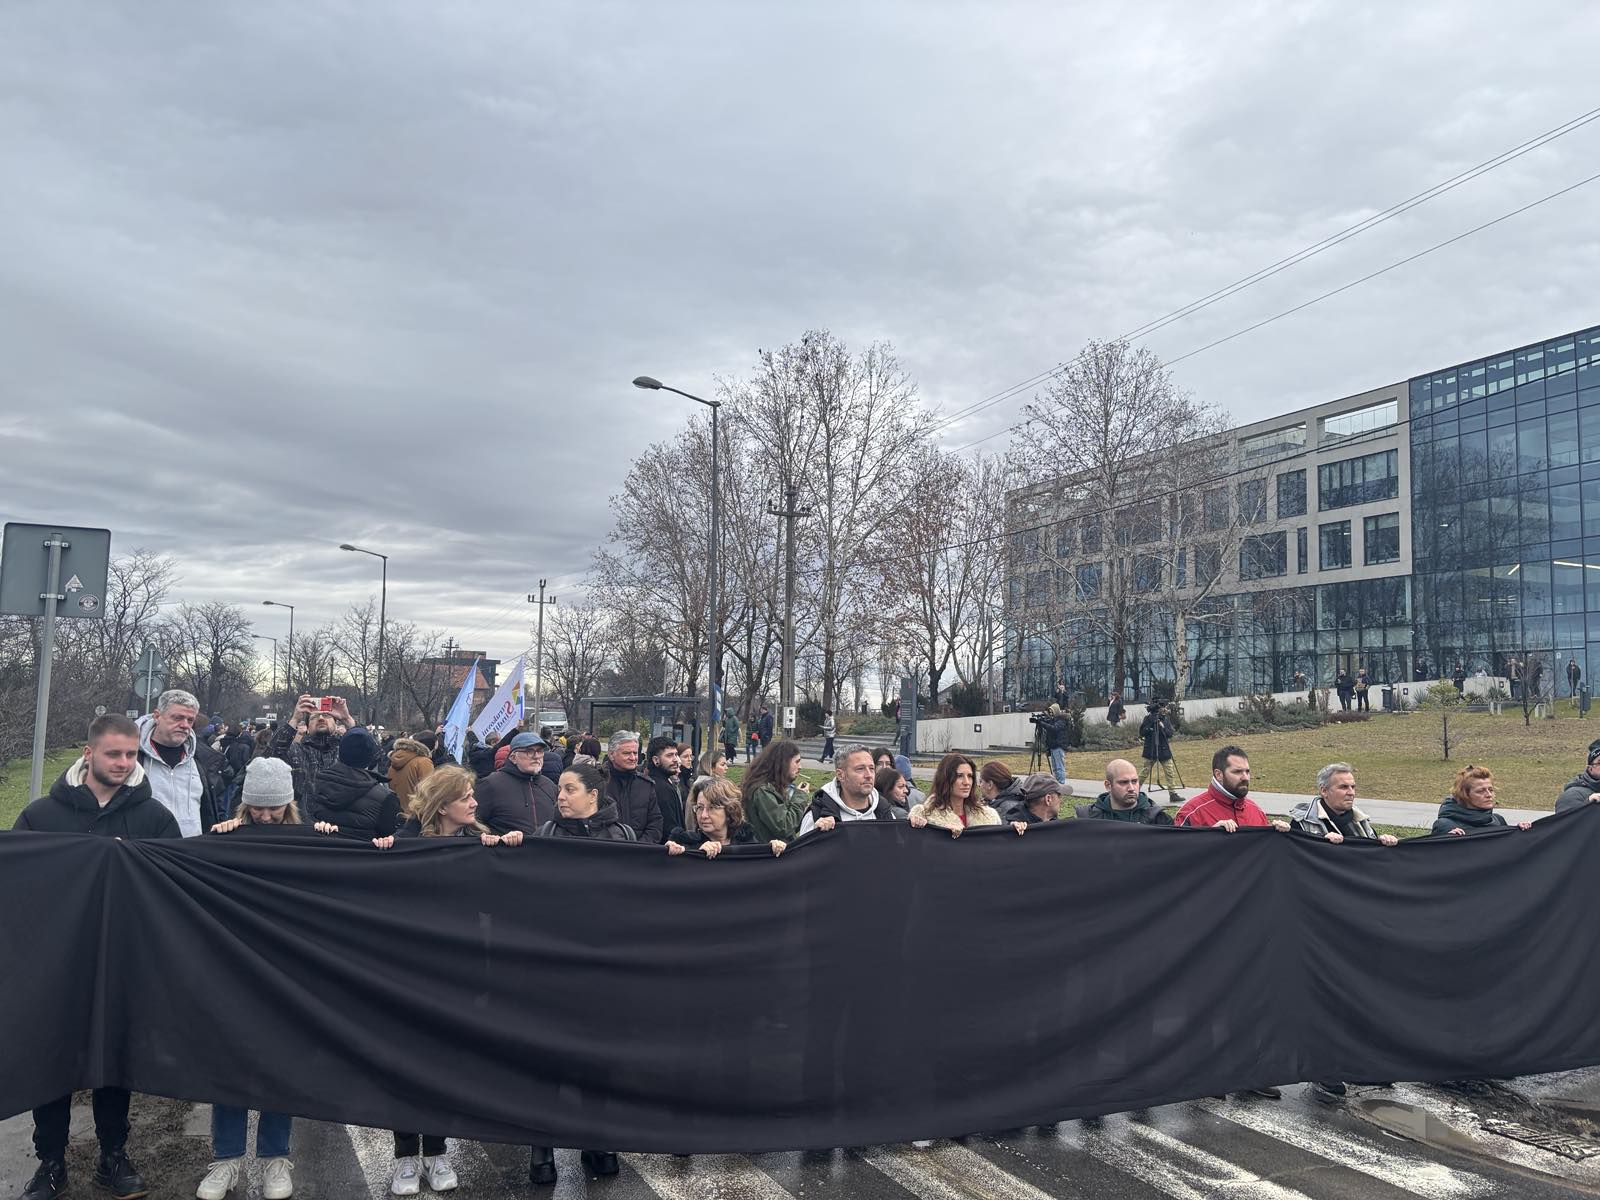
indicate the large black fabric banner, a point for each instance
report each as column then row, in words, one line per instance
column 877, row 983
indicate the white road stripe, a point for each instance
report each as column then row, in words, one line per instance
column 1390, row 1163
column 1178, row 1169
column 721, row 1175
column 949, row 1171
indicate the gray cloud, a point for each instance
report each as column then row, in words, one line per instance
column 280, row 277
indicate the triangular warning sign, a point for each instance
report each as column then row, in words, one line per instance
column 74, row 584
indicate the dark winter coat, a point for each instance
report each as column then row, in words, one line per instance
column 237, row 751
column 692, row 839
column 479, row 756
column 1055, row 730
column 1015, row 808
column 669, row 799
column 764, row 726
column 1469, row 820
column 1145, row 812
column 511, row 799
column 308, row 758
column 604, row 826
column 70, row 807
column 1157, row 734
column 1115, row 712
column 553, row 765
column 730, row 731
column 1576, row 794
column 635, row 798
column 358, row 802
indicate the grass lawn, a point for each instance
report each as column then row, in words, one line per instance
column 1396, row 757
column 14, row 781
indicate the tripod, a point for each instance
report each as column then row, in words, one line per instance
column 1040, row 759
column 1148, row 775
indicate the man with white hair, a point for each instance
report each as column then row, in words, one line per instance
column 633, row 794
column 185, row 774
column 1332, row 813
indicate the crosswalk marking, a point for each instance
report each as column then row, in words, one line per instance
column 949, row 1171
column 1178, row 1169
column 1391, row 1164
column 706, row 1174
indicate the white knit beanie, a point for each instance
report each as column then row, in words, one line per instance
column 268, row 783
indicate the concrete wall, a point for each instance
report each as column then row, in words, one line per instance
column 996, row 730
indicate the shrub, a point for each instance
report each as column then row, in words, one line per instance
column 969, row 700
column 863, row 723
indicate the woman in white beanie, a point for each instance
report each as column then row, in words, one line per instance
column 267, row 798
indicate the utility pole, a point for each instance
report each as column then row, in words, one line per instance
column 538, row 660
column 788, row 512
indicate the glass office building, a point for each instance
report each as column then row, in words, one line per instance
column 1505, row 495
column 1436, row 521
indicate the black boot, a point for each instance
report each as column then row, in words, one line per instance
column 49, row 1182
column 116, row 1174
column 541, row 1164
column 601, row 1162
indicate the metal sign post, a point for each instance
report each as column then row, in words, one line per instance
column 32, row 560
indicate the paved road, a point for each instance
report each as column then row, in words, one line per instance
column 1250, row 1149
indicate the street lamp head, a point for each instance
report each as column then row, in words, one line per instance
column 346, row 546
column 644, row 381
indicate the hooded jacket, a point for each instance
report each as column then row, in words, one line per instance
column 635, row 798
column 1454, row 815
column 826, row 803
column 193, row 790
column 604, row 826
column 1309, row 816
column 1576, row 794
column 1213, row 806
column 1144, row 812
column 357, row 801
column 70, row 807
column 410, row 762
column 512, row 799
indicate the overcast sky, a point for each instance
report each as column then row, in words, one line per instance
column 277, row 276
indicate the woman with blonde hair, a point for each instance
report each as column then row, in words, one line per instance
column 951, row 803
column 444, row 806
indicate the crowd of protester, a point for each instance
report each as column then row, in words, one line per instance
column 157, row 777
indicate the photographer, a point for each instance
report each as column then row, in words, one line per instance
column 1156, row 730
column 309, row 740
column 1053, row 727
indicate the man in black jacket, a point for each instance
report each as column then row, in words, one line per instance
column 1036, row 802
column 350, row 797
column 1122, row 800
column 1054, row 729
column 663, row 774
column 105, row 792
column 633, row 794
column 518, row 795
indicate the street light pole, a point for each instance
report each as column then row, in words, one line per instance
column 383, row 609
column 714, row 636
column 538, row 661
column 288, row 662
column 262, row 637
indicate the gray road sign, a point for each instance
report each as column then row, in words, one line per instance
column 25, row 564
column 150, row 661
column 148, row 686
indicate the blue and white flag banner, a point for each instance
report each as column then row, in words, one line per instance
column 503, row 711
column 455, row 723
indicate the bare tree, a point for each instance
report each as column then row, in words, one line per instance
column 416, row 682
column 211, row 653
column 355, row 642
column 576, row 645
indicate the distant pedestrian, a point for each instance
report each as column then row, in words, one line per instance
column 1345, row 687
column 1459, row 678
column 766, row 725
column 1116, row 711
column 1156, row 730
column 1574, row 674
column 1362, row 683
column 730, row 737
column 828, row 728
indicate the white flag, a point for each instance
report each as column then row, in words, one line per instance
column 455, row 723
column 504, row 710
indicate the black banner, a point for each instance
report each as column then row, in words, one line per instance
column 875, row 984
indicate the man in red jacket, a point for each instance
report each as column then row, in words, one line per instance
column 1226, row 804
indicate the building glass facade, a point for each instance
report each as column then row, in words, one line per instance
column 1505, row 494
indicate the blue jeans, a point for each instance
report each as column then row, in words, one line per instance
column 228, row 1127
column 1058, row 764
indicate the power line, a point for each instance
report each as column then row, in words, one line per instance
column 1283, row 264
column 1411, row 258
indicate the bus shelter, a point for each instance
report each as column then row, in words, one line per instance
column 678, row 717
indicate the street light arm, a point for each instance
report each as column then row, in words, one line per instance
column 655, row 385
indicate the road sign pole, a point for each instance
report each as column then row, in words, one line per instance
column 47, row 646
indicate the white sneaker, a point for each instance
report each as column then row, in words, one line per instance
column 404, row 1182
column 277, row 1182
column 221, row 1179
column 441, row 1177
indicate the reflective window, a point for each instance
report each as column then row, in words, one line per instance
column 1089, row 581
column 1274, row 443
column 1064, row 540
column 1253, row 501
column 1380, row 538
column 1566, row 514
column 1215, row 505
column 1359, row 480
column 1147, row 572
column 1361, row 420
column 1302, row 556
column 1264, row 556
column 1334, row 542
column 1089, row 534
column 1207, row 563
column 1292, row 494
column 1531, row 446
